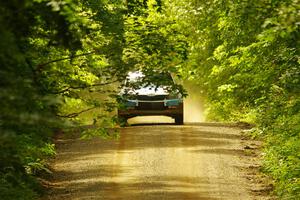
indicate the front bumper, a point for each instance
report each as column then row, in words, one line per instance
column 171, row 111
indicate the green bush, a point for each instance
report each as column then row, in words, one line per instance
column 244, row 55
column 15, row 187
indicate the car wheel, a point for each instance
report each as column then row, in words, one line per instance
column 179, row 120
column 122, row 121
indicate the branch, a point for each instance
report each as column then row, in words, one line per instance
column 72, row 115
column 84, row 87
column 42, row 65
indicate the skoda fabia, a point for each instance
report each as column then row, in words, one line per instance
column 149, row 100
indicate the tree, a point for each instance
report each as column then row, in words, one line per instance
column 245, row 57
column 50, row 50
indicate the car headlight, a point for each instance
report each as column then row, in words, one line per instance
column 132, row 103
column 172, row 102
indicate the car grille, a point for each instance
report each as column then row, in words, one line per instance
column 152, row 98
column 151, row 106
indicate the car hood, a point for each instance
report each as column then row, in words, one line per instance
column 145, row 91
column 150, row 91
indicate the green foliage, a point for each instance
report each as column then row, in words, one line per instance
column 50, row 52
column 245, row 54
column 60, row 59
column 13, row 187
column 60, row 63
column 154, row 44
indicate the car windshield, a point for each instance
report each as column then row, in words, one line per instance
column 135, row 85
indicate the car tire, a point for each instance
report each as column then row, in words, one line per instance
column 122, row 121
column 179, row 120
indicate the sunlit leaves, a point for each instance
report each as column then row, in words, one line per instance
column 53, row 55
column 245, row 56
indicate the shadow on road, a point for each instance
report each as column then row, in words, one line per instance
column 95, row 169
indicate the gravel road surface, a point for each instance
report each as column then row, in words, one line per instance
column 154, row 163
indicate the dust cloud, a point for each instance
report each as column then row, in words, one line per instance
column 193, row 104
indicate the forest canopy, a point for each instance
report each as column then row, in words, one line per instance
column 58, row 56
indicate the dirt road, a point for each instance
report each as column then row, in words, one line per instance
column 154, row 162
